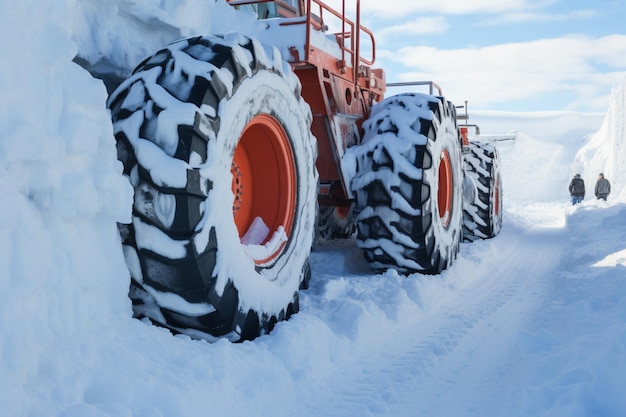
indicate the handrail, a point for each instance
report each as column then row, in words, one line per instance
column 344, row 34
column 432, row 85
column 317, row 22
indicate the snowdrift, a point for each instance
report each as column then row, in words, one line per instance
column 606, row 151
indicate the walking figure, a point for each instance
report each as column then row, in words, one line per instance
column 603, row 187
column 577, row 189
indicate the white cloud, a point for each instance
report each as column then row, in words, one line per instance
column 532, row 17
column 398, row 8
column 579, row 67
column 420, row 26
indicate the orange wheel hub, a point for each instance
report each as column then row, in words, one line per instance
column 264, row 179
column 444, row 189
column 342, row 211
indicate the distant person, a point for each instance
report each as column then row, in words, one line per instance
column 577, row 189
column 603, row 187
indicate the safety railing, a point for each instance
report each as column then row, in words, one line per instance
column 318, row 15
column 432, row 86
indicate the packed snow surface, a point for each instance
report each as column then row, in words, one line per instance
column 531, row 323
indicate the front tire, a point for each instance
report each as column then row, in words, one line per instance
column 408, row 185
column 215, row 138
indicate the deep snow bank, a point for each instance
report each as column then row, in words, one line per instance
column 606, row 151
column 61, row 193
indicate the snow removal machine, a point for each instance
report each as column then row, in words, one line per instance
column 243, row 151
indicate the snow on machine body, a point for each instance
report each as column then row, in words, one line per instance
column 241, row 151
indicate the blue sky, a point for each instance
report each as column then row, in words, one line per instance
column 511, row 55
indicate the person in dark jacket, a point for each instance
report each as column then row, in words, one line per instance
column 603, row 187
column 577, row 189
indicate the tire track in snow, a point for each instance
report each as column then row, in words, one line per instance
column 449, row 358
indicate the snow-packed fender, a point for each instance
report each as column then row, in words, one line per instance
column 408, row 184
column 215, row 138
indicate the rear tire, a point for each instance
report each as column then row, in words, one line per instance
column 213, row 134
column 408, row 185
column 482, row 215
column 336, row 222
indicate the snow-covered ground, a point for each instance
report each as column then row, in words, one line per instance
column 531, row 323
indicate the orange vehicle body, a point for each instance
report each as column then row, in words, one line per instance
column 339, row 87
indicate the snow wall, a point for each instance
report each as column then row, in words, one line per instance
column 606, row 151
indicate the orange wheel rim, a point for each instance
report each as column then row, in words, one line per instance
column 444, row 189
column 342, row 211
column 264, row 179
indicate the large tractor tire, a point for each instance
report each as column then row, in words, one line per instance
column 409, row 185
column 482, row 214
column 215, row 138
